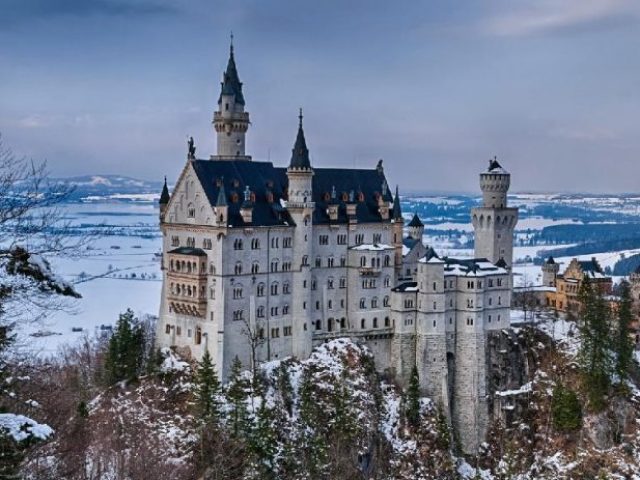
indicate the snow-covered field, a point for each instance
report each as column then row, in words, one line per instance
column 115, row 273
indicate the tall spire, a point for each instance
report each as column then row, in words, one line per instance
column 231, row 84
column 164, row 196
column 397, row 212
column 300, row 152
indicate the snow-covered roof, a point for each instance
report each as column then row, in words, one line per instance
column 375, row 247
column 471, row 267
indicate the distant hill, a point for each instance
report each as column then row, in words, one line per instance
column 115, row 187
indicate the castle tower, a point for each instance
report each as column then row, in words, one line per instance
column 230, row 121
column 416, row 228
column 494, row 222
column 398, row 224
column 550, row 271
column 300, row 206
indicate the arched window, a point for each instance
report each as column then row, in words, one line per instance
column 274, row 288
column 363, row 324
column 255, row 267
column 260, row 311
column 374, row 302
column 363, row 261
column 343, row 322
column 386, row 321
column 305, row 260
column 238, row 268
column 385, row 302
column 330, row 324
column 387, row 260
column 191, row 210
column 375, row 322
column 260, row 290
column 363, row 303
column 387, row 281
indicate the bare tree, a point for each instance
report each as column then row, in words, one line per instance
column 255, row 335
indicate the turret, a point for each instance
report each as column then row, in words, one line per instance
column 230, row 121
column 398, row 224
column 221, row 209
column 164, row 200
column 416, row 228
column 300, row 206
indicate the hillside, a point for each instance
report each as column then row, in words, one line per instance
column 332, row 416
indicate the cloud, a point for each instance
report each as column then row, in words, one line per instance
column 21, row 11
column 553, row 15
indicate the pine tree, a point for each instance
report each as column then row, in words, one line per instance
column 623, row 344
column 311, row 430
column 413, row 399
column 594, row 354
column 126, row 349
column 207, row 390
column 263, row 443
column 236, row 396
column 443, row 430
column 284, row 387
column 566, row 409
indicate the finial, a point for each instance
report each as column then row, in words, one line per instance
column 300, row 117
column 231, row 43
column 165, row 179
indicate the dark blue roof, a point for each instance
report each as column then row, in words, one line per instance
column 403, row 287
column 397, row 211
column 265, row 180
column 300, row 152
column 409, row 242
column 231, row 84
column 415, row 221
column 164, row 196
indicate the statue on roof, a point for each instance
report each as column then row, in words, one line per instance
column 191, row 153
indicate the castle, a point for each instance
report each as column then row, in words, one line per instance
column 263, row 262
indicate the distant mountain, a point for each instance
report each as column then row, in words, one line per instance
column 117, row 187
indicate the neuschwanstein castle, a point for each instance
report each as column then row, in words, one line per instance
column 294, row 255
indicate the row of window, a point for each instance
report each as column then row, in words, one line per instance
column 170, row 329
column 374, row 302
column 375, row 261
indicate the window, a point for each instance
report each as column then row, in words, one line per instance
column 499, row 280
column 343, row 282
column 363, row 303
column 167, row 329
column 285, row 287
column 385, row 302
column 342, row 239
column 260, row 312
column 435, row 286
column 255, row 244
column 489, row 318
column 342, row 303
column 286, row 242
column 343, row 261
column 499, row 300
column 318, row 262
column 191, row 211
column 377, row 238
column 330, row 262
column 490, row 282
column 363, row 324
column 191, row 242
column 330, row 284
column 275, row 332
column 238, row 268
column 323, row 239
column 237, row 244
column 387, row 260
column 374, row 302
column 408, row 303
column 490, row 300
column 207, row 244
column 260, row 290
column 274, row 289
column 285, row 310
column 387, row 281
column 255, row 267
column 435, row 305
column 386, row 321
column 286, row 266
column 318, row 324
column 238, row 314
column 198, row 337
column 313, row 284
column 275, row 242
column 470, row 321
column 274, row 311
column 274, row 265
column 286, row 331
column 305, row 260
column 359, row 238
column 237, row 292
column 363, row 261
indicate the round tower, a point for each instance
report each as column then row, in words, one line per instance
column 494, row 222
column 230, row 121
column 300, row 206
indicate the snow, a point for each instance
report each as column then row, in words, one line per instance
column 21, row 428
column 375, row 247
column 172, row 363
column 526, row 388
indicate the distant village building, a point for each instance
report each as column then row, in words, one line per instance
column 564, row 296
column 283, row 258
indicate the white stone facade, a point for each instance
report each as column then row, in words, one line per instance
column 290, row 281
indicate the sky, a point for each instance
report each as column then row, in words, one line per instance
column 434, row 88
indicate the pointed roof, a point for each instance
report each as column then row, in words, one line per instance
column 501, row 263
column 397, row 211
column 231, row 84
column 415, row 221
column 300, row 152
column 222, row 197
column 164, row 196
column 550, row 261
column 495, row 167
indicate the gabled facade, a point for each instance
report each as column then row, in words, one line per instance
column 261, row 262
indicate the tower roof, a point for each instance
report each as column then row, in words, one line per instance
column 300, row 152
column 231, row 84
column 550, row 261
column 415, row 221
column 495, row 167
column 164, row 196
column 397, row 211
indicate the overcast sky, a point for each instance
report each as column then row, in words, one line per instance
column 434, row 88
